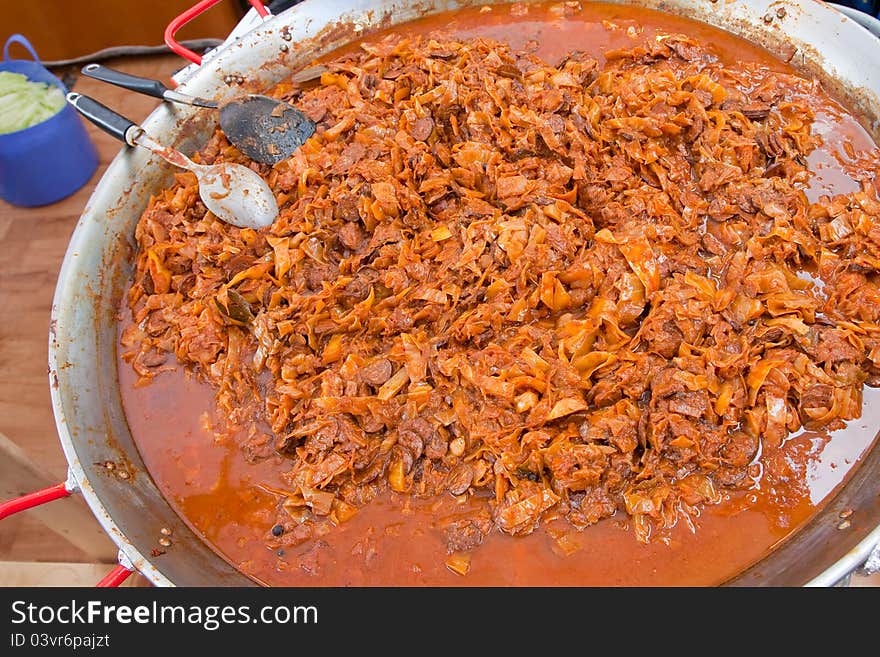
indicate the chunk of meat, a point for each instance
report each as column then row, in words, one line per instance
column 466, row 533
column 377, row 372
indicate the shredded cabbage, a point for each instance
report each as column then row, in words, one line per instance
column 24, row 103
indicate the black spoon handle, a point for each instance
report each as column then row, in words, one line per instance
column 102, row 116
column 126, row 81
column 146, row 86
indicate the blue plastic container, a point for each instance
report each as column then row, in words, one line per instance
column 48, row 161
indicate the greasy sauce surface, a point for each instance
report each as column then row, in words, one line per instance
column 222, row 499
column 228, row 501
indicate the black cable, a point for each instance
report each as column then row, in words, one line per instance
column 277, row 6
column 130, row 51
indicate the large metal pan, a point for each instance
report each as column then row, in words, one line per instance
column 82, row 359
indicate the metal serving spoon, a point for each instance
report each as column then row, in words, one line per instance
column 234, row 193
column 265, row 129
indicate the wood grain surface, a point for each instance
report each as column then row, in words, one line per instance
column 32, row 246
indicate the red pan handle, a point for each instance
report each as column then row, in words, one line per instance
column 190, row 14
column 31, row 500
column 114, row 578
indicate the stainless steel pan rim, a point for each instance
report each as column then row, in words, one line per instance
column 85, row 396
column 854, row 559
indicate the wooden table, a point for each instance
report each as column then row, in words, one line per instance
column 32, row 246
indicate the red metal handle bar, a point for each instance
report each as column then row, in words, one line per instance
column 190, row 14
column 115, row 577
column 31, row 500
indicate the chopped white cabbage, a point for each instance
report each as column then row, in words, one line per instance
column 24, row 103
